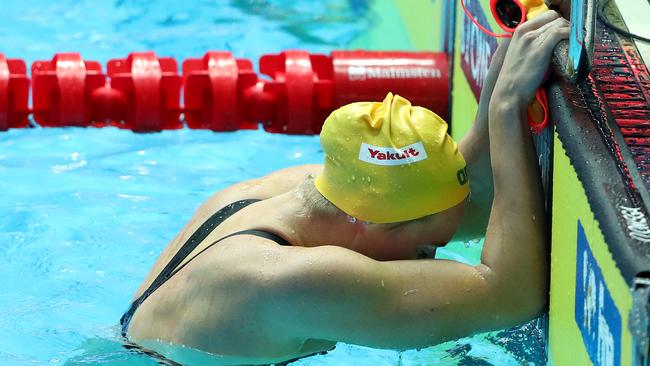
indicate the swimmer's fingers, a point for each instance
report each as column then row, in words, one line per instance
column 528, row 59
column 547, row 35
column 557, row 23
column 536, row 23
column 550, row 34
column 555, row 36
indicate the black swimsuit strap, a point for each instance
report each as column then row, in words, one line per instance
column 175, row 265
column 264, row 234
column 197, row 238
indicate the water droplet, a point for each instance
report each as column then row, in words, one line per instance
column 353, row 178
column 368, row 179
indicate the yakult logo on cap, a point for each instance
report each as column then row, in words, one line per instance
column 390, row 156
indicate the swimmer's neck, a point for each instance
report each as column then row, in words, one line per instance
column 302, row 227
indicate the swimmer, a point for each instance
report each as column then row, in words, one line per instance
column 285, row 266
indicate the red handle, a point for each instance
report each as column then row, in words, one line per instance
column 538, row 111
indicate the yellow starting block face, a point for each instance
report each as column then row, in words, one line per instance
column 590, row 301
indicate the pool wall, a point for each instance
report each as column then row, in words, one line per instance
column 590, row 300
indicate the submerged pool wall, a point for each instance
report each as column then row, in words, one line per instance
column 600, row 252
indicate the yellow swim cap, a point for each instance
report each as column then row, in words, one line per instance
column 390, row 162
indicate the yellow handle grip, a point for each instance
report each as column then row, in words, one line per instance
column 533, row 7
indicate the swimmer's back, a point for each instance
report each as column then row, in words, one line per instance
column 191, row 309
column 274, row 184
column 220, row 304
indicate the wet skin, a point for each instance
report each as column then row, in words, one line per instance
column 252, row 301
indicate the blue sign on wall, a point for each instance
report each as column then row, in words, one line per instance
column 596, row 314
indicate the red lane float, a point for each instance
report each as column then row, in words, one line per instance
column 302, row 86
column 214, row 88
column 14, row 93
column 221, row 93
column 62, row 90
column 152, row 88
column 308, row 88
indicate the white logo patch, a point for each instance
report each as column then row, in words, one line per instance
column 360, row 73
column 390, row 156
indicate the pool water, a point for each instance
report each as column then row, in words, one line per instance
column 85, row 212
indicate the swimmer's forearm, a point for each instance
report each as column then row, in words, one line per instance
column 481, row 125
column 515, row 246
column 475, row 147
column 476, row 144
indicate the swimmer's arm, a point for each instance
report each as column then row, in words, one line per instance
column 271, row 185
column 331, row 293
column 516, row 243
column 475, row 147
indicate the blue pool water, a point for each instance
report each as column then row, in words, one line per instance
column 85, row 212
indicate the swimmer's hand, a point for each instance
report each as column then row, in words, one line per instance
column 527, row 60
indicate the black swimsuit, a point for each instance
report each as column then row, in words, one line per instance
column 197, row 238
column 174, row 266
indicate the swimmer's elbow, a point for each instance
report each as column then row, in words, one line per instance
column 513, row 302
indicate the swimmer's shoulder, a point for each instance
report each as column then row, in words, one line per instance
column 270, row 185
column 277, row 182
